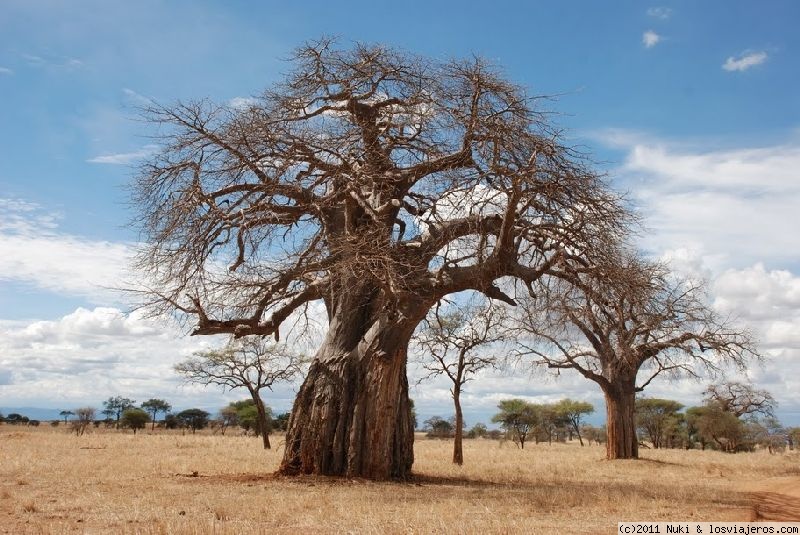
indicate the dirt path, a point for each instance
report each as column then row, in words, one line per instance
column 776, row 499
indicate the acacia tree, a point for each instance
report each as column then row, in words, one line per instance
column 66, row 414
column 613, row 319
column 154, row 406
column 373, row 181
column 572, row 411
column 657, row 417
column 251, row 363
column 518, row 418
column 451, row 342
column 134, row 419
column 115, row 406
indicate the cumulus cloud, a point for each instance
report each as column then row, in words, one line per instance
column 745, row 61
column 659, row 12
column 125, row 158
column 727, row 216
column 89, row 355
column 737, row 206
column 650, row 39
column 33, row 251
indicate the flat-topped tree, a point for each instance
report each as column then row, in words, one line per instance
column 377, row 182
column 615, row 318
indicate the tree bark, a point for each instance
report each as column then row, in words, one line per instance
column 458, row 454
column 263, row 423
column 352, row 415
column 621, row 442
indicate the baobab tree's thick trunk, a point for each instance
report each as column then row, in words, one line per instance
column 458, row 454
column 352, row 415
column 622, row 442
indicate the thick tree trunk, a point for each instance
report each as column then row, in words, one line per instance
column 622, row 442
column 352, row 415
column 458, row 454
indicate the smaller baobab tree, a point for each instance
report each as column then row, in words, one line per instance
column 154, row 406
column 740, row 399
column 620, row 316
column 251, row 363
column 455, row 343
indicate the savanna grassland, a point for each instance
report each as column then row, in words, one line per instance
column 114, row 482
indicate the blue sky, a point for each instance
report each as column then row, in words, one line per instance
column 692, row 107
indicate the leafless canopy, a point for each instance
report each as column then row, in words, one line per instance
column 740, row 399
column 458, row 341
column 610, row 320
column 368, row 164
column 252, row 363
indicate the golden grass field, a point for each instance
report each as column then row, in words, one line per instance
column 114, row 482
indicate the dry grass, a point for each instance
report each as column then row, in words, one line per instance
column 108, row 482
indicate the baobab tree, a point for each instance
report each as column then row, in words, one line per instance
column 456, row 343
column 251, row 363
column 740, row 399
column 376, row 183
column 613, row 319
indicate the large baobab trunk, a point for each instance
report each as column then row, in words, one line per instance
column 622, row 442
column 458, row 454
column 352, row 415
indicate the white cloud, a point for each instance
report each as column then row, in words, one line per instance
column 745, row 61
column 242, row 103
column 125, row 158
column 650, row 39
column 6, row 71
column 737, row 206
column 659, row 12
column 87, row 356
column 33, row 251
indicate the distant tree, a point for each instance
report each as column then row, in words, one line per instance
column 249, row 417
column 193, row 419
column 34, row 423
column 451, row 343
column 573, row 411
column 550, row 421
column 592, row 433
column 771, row 434
column 438, row 427
column 620, row 316
column 115, row 406
column 250, row 363
column 518, row 418
column 134, row 418
column 54, row 423
column 657, row 418
column 66, row 415
column 171, row 421
column 15, row 418
column 478, row 430
column 154, row 406
column 412, row 412
column 719, row 427
column 793, row 437
column 281, row 421
column 84, row 418
column 741, row 399
column 228, row 416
